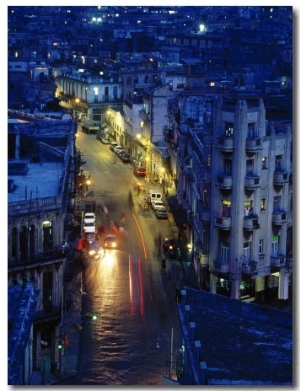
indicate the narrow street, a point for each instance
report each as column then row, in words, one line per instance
column 136, row 335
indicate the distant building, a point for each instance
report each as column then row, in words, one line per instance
column 86, row 94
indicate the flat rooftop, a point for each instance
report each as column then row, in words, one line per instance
column 41, row 180
column 241, row 343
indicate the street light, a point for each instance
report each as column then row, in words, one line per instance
column 169, row 348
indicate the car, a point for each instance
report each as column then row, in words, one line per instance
column 140, row 171
column 117, row 148
column 89, row 217
column 158, row 205
column 125, row 157
column 161, row 214
column 93, row 249
column 170, row 248
column 120, row 152
column 110, row 241
column 112, row 145
column 89, row 229
column 105, row 140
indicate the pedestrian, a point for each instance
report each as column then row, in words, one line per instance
column 178, row 295
column 163, row 266
column 122, row 219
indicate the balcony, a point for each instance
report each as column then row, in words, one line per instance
column 221, row 266
column 144, row 116
column 224, row 182
column 225, row 144
column 248, row 267
column 252, row 182
column 280, row 178
column 278, row 260
column 223, row 222
column 279, row 217
column 253, row 145
column 251, row 223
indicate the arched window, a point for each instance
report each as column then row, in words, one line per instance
column 47, row 235
column 32, row 241
column 14, row 244
column 23, row 242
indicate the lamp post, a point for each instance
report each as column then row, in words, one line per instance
column 169, row 352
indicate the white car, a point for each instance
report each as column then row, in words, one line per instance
column 89, row 228
column 118, row 148
column 158, row 205
column 89, row 217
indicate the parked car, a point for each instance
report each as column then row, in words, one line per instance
column 161, row 213
column 110, row 241
column 118, row 148
column 89, row 217
column 113, row 144
column 140, row 171
column 125, row 157
column 105, row 139
column 158, row 205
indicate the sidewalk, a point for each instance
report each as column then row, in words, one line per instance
column 72, row 321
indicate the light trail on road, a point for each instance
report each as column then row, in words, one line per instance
column 141, row 235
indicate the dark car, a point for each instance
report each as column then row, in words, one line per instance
column 170, row 248
column 140, row 171
column 93, row 249
column 161, row 213
column 125, row 157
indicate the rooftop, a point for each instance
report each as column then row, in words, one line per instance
column 41, row 180
column 241, row 343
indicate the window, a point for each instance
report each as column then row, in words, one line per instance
column 47, row 235
column 251, row 130
column 263, row 204
column 246, row 250
column 278, row 163
column 115, row 92
column 226, row 206
column 228, row 167
column 261, row 247
column 264, row 163
column 228, row 129
column 276, row 203
column 249, row 167
column 224, row 252
column 275, row 245
column 248, row 207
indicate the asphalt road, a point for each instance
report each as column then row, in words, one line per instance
column 136, row 335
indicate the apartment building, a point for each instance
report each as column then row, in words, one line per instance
column 41, row 166
column 235, row 183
